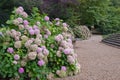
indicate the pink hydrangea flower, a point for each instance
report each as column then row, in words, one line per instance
column 16, row 57
column 35, row 27
column 71, row 59
column 58, row 54
column 45, row 52
column 30, row 41
column 25, row 22
column 46, row 18
column 39, row 36
column 37, row 31
column 64, row 24
column 16, row 22
column 33, row 39
column 21, row 27
column 67, row 51
column 21, row 70
column 13, row 31
column 45, row 36
column 57, row 19
column 14, row 62
column 38, row 23
column 20, row 20
column 41, row 62
column 17, row 38
column 30, row 28
column 69, row 41
column 59, row 38
column 37, row 41
column 57, row 23
column 61, row 48
column 24, row 14
column 19, row 10
column 58, row 72
column 10, row 50
column 63, row 68
column 39, row 50
column 43, row 47
column 70, row 45
column 66, row 29
column 31, row 32
column 63, row 43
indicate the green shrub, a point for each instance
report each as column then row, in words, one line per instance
column 103, row 14
column 36, row 48
column 111, row 24
column 82, row 32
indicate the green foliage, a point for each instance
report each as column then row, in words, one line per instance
column 103, row 14
column 73, row 18
column 90, row 9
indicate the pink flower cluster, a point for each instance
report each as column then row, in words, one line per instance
column 16, row 57
column 57, row 21
column 65, row 24
column 14, row 34
column 21, row 70
column 66, row 47
column 33, row 30
column 59, row 38
column 46, row 18
column 63, row 68
column 10, row 50
column 25, row 22
column 21, row 11
column 47, row 33
column 41, row 62
column 18, row 21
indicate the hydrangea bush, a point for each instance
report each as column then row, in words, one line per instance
column 34, row 47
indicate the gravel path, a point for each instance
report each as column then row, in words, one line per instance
column 98, row 61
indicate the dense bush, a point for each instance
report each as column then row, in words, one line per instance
column 111, row 24
column 103, row 14
column 82, row 32
column 36, row 48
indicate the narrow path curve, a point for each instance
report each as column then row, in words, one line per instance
column 98, row 61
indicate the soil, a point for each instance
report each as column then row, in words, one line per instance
column 99, row 61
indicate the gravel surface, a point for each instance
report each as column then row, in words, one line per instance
column 98, row 61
